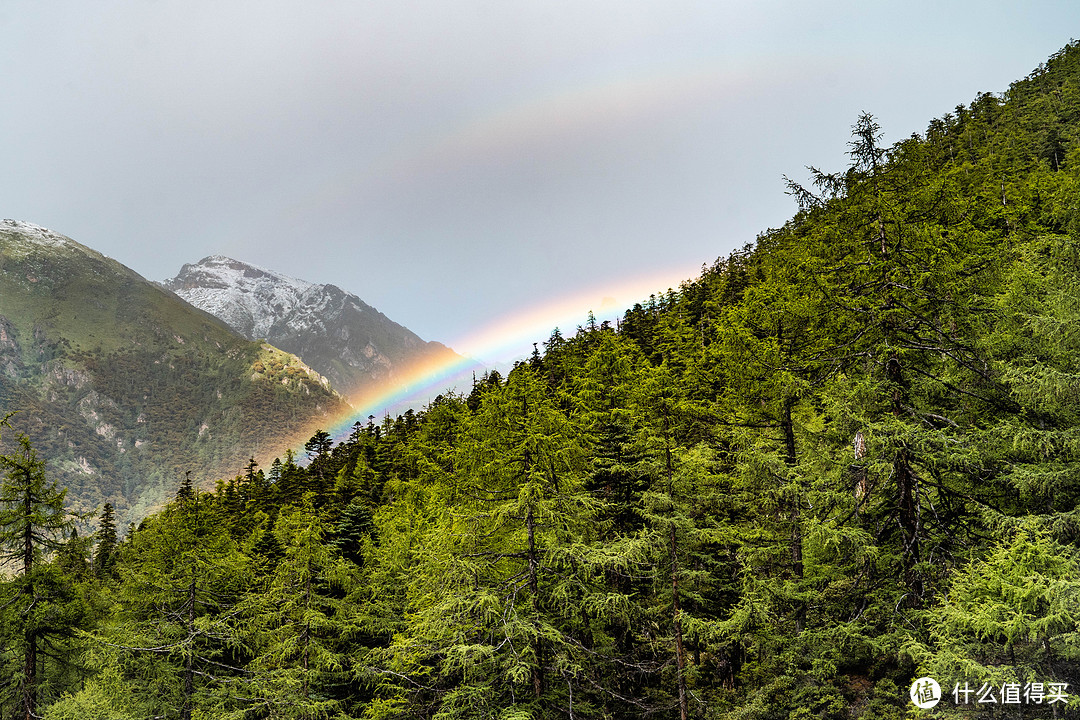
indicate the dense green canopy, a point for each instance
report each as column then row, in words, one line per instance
column 843, row 458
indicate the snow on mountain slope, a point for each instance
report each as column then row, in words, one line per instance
column 249, row 298
column 24, row 239
column 335, row 332
column 34, row 233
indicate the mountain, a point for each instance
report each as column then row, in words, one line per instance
column 125, row 387
column 335, row 332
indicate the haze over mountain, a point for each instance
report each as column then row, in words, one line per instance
column 333, row 331
column 125, row 387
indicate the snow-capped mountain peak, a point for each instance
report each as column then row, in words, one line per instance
column 248, row 298
column 335, row 332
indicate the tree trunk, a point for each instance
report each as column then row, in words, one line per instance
column 189, row 660
column 30, row 652
column 680, row 651
column 795, row 517
column 909, row 522
column 534, row 567
column 28, row 532
column 906, row 490
column 676, row 621
column 30, row 668
column 307, row 625
column 534, row 590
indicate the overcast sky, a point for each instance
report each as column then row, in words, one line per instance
column 452, row 161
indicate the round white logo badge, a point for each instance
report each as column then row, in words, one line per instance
column 925, row 693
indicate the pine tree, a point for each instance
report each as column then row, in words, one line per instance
column 903, row 271
column 73, row 558
column 354, row 528
column 300, row 619
column 183, row 576
column 503, row 572
column 604, row 388
column 293, row 483
column 682, row 510
column 318, row 452
column 1035, row 348
column 1011, row 617
column 186, row 492
column 106, row 541
column 32, row 521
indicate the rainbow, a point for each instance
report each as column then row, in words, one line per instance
column 517, row 121
column 522, row 123
column 504, row 340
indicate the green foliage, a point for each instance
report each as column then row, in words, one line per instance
column 106, row 541
column 1012, row 617
column 105, row 697
column 299, row 622
column 32, row 514
column 181, row 579
column 508, row 541
column 839, row 459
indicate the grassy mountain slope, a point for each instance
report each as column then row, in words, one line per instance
column 125, row 387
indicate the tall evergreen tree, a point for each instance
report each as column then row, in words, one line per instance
column 106, row 541
column 183, row 575
column 904, row 271
column 504, row 570
column 301, row 619
column 32, row 521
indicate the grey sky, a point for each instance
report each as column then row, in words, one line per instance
column 452, row 161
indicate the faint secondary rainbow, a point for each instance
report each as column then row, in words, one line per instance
column 519, row 124
column 505, row 340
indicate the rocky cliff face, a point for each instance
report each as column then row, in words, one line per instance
column 335, row 332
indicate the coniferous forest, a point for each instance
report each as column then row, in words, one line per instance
column 843, row 458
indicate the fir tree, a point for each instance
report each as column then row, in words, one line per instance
column 106, row 541
column 32, row 521
column 300, row 620
column 183, row 576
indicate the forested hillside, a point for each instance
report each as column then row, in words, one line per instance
column 841, row 459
